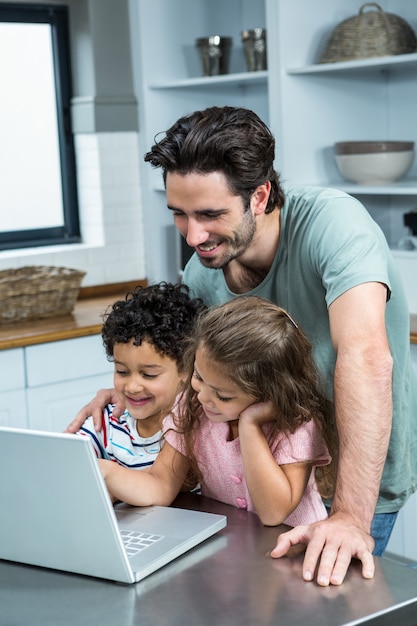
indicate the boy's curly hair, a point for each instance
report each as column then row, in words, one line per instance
column 162, row 314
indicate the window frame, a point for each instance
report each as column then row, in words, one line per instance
column 57, row 17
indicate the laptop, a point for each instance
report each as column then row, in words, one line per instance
column 56, row 513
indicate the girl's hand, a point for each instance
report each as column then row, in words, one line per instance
column 95, row 409
column 258, row 413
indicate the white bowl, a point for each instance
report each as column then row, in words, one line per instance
column 374, row 163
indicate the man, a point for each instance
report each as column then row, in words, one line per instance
column 318, row 254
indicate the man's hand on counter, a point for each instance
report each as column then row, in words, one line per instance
column 95, row 409
column 331, row 545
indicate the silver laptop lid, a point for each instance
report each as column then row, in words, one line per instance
column 56, row 511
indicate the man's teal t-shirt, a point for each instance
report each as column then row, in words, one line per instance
column 328, row 244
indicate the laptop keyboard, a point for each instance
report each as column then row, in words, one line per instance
column 135, row 542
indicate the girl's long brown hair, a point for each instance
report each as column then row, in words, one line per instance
column 258, row 346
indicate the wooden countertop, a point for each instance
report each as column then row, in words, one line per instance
column 84, row 320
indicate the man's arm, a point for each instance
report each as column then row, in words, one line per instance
column 363, row 405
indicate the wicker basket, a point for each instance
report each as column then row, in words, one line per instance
column 369, row 34
column 30, row 293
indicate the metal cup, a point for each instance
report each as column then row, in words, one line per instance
column 254, row 44
column 214, row 54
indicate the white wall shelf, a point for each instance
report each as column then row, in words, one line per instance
column 401, row 188
column 387, row 63
column 239, row 78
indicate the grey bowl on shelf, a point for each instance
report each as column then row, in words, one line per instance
column 374, row 162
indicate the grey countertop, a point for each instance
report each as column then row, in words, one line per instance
column 229, row 580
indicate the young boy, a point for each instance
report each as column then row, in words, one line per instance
column 143, row 335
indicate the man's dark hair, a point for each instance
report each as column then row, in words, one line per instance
column 162, row 314
column 231, row 140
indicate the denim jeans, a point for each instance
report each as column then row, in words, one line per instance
column 381, row 530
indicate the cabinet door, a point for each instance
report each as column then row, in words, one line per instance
column 52, row 407
column 70, row 359
column 12, row 368
column 13, row 409
column 12, row 388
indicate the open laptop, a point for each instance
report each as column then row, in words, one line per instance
column 56, row 513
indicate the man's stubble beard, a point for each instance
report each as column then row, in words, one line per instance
column 242, row 238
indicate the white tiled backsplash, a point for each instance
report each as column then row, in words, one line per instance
column 110, row 214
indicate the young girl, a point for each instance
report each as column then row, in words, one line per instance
column 144, row 336
column 253, row 426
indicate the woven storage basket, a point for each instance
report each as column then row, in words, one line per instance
column 35, row 292
column 369, row 34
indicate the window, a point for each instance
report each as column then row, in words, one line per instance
column 38, row 196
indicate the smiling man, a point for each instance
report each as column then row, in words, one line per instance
column 318, row 254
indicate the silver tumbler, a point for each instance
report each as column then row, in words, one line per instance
column 214, row 54
column 254, row 43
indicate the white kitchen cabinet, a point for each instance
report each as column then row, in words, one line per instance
column 12, row 368
column 12, row 388
column 70, row 359
column 45, row 385
column 52, row 407
column 13, row 411
column 308, row 106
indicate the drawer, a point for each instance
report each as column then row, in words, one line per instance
column 70, row 359
column 12, row 368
